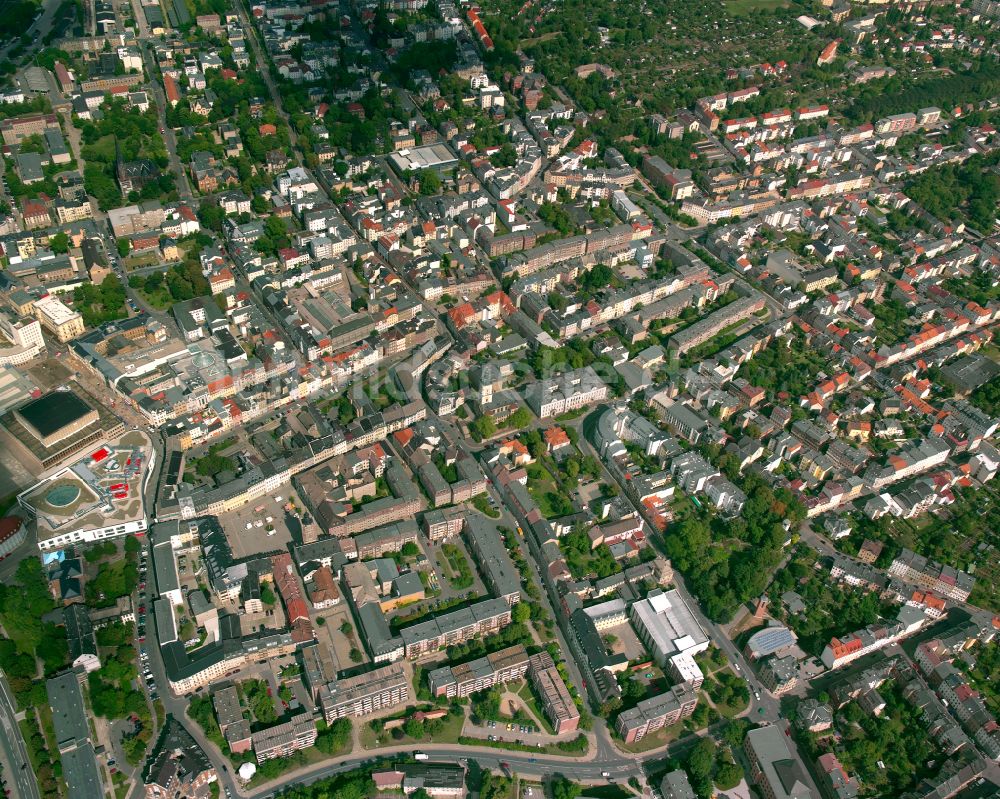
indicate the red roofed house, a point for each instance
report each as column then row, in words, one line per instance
column 555, row 439
column 221, row 281
column 829, row 53
column 36, row 214
column 171, row 90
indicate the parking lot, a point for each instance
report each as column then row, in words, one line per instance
column 264, row 525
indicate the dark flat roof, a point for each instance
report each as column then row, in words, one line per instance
column 53, row 411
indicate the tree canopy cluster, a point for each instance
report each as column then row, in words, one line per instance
column 729, row 561
column 952, row 190
column 100, row 303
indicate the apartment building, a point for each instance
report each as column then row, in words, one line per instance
column 943, row 580
column 437, row 780
column 848, row 648
column 774, row 769
column 681, row 420
column 68, row 211
column 18, row 128
column 677, row 181
column 179, row 766
column 656, row 712
column 565, row 392
column 499, row 572
column 383, row 540
column 556, row 700
column 232, row 724
column 482, row 618
column 443, row 524
column 704, row 329
column 282, row 740
column 364, row 694
column 25, row 336
column 480, row 674
column 60, row 320
column 779, row 674
column 607, row 614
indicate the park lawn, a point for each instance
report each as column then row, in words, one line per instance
column 659, row 738
column 102, row 150
column 159, row 299
column 742, row 8
column 461, row 576
column 449, row 735
column 546, row 502
column 730, row 710
column 544, row 490
column 445, row 567
column 141, row 260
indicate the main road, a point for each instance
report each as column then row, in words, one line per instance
column 22, row 779
column 617, row 766
column 37, row 30
column 169, row 138
column 264, row 68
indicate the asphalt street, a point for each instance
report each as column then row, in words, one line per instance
column 21, row 781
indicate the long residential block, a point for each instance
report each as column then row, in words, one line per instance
column 283, row 739
column 480, row 674
column 656, row 712
column 456, row 627
column 556, row 700
column 364, row 694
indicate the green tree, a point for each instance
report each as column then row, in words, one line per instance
column 519, row 419
column 483, row 427
column 59, row 243
column 413, row 728
column 430, row 182
column 563, row 788
column 123, row 245
column 212, row 216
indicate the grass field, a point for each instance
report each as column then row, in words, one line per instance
column 449, row 734
column 659, row 738
column 742, row 8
